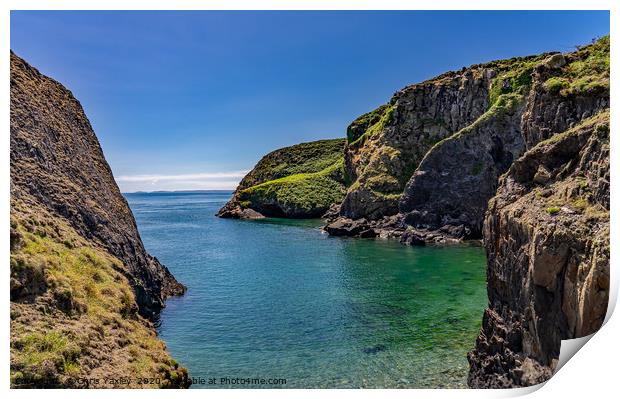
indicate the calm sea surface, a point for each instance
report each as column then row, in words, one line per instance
column 277, row 298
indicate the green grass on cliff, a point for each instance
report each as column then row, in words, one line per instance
column 301, row 181
column 363, row 122
column 514, row 77
column 588, row 73
column 309, row 157
column 73, row 312
column 302, row 192
column 372, row 123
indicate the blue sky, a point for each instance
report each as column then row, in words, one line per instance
column 191, row 100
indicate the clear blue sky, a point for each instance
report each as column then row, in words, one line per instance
column 192, row 99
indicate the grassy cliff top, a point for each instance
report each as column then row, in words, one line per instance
column 300, row 181
column 309, row 157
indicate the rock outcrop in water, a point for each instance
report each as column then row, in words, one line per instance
column 81, row 280
column 529, row 134
column 301, row 181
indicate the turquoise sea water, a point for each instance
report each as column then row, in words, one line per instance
column 279, row 299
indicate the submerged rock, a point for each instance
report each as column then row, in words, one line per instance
column 372, row 350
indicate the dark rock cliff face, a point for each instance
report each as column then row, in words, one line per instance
column 547, row 240
column 449, row 193
column 57, row 164
column 381, row 156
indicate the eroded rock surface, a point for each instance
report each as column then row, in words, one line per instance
column 57, row 163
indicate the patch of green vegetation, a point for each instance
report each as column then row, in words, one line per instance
column 303, row 193
column 514, row 77
column 362, row 123
column 309, row 157
column 80, row 300
column 82, row 279
column 582, row 183
column 579, row 204
column 384, row 183
column 54, row 347
column 596, row 212
column 588, row 73
column 384, row 120
column 387, row 196
column 555, row 84
column 552, row 210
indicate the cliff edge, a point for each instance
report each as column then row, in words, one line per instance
column 547, row 240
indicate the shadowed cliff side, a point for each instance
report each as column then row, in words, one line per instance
column 81, row 280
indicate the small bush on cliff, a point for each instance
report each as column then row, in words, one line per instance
column 552, row 210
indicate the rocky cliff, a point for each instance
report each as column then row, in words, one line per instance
column 81, row 280
column 541, row 124
column 547, row 239
column 424, row 166
column 301, row 181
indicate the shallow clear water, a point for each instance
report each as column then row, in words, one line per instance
column 278, row 298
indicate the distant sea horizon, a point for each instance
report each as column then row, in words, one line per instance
column 179, row 191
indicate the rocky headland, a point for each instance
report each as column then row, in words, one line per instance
column 301, row 181
column 512, row 152
column 84, row 291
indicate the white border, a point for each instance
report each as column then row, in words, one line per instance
column 592, row 371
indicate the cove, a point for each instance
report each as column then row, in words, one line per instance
column 276, row 299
